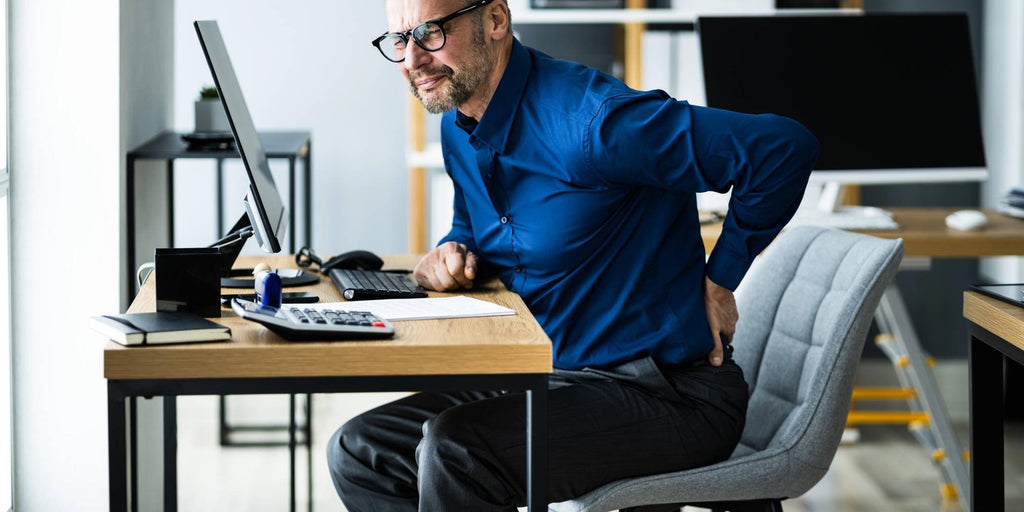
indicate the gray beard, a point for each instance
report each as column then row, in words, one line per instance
column 461, row 87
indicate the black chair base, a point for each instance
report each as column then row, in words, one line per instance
column 718, row 506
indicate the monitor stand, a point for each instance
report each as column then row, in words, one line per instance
column 230, row 246
column 826, row 198
column 822, row 206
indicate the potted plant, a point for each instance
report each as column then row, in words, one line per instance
column 210, row 117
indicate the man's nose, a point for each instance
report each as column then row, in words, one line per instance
column 415, row 57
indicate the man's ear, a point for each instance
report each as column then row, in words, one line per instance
column 496, row 20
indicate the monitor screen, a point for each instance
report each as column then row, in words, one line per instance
column 263, row 203
column 891, row 97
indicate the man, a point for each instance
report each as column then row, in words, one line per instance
column 578, row 193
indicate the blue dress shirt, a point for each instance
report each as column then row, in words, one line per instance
column 579, row 193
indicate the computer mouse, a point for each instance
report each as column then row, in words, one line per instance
column 966, row 220
column 361, row 260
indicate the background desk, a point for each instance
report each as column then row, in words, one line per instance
column 507, row 352
column 997, row 337
column 169, row 146
column 925, row 234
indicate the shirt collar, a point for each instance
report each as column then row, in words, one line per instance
column 495, row 124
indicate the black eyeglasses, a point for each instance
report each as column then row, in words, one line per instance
column 428, row 35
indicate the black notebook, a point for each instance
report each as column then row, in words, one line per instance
column 159, row 328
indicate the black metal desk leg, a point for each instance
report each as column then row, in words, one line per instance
column 536, row 448
column 986, row 426
column 170, row 453
column 291, row 448
column 309, row 451
column 116, row 452
column 129, row 206
column 308, row 206
column 133, row 452
column 291, row 205
column 170, row 203
column 220, row 197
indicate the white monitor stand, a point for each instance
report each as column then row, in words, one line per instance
column 822, row 206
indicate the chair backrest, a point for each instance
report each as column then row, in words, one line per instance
column 805, row 308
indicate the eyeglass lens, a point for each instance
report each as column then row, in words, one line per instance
column 429, row 36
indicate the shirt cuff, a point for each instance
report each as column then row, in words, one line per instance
column 726, row 267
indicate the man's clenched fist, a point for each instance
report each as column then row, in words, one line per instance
column 448, row 267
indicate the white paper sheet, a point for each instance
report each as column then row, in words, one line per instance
column 421, row 309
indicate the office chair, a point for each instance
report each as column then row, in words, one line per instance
column 805, row 308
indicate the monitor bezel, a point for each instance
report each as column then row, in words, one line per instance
column 268, row 232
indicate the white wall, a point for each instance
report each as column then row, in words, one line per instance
column 305, row 64
column 65, row 196
column 1003, row 117
column 88, row 80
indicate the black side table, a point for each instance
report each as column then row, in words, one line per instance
column 169, row 146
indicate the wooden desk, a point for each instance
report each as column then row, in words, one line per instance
column 997, row 337
column 507, row 352
column 924, row 233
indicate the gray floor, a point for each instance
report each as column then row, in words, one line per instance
column 886, row 470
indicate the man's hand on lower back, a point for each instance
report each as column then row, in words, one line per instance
column 720, row 305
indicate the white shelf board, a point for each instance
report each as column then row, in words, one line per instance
column 603, row 16
column 679, row 15
column 431, row 157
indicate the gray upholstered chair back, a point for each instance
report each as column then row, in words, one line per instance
column 805, row 308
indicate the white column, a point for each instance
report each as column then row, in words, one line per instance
column 1002, row 109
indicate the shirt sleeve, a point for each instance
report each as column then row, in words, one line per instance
column 649, row 139
column 462, row 230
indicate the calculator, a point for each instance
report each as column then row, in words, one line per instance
column 294, row 322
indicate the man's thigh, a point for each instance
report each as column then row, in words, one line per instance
column 598, row 431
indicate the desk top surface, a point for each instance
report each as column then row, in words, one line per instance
column 998, row 317
column 169, row 144
column 924, row 233
column 487, row 345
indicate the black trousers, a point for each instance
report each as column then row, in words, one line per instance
column 466, row 451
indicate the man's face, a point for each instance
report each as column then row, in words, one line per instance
column 446, row 78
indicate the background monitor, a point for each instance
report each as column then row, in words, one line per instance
column 891, row 97
column 263, row 205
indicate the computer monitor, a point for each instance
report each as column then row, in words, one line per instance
column 891, row 97
column 263, row 207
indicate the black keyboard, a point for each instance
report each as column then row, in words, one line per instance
column 375, row 284
column 305, row 323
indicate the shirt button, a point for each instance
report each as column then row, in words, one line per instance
column 519, row 268
column 504, row 219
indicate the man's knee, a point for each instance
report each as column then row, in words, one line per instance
column 457, row 463
column 450, row 435
column 345, row 442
